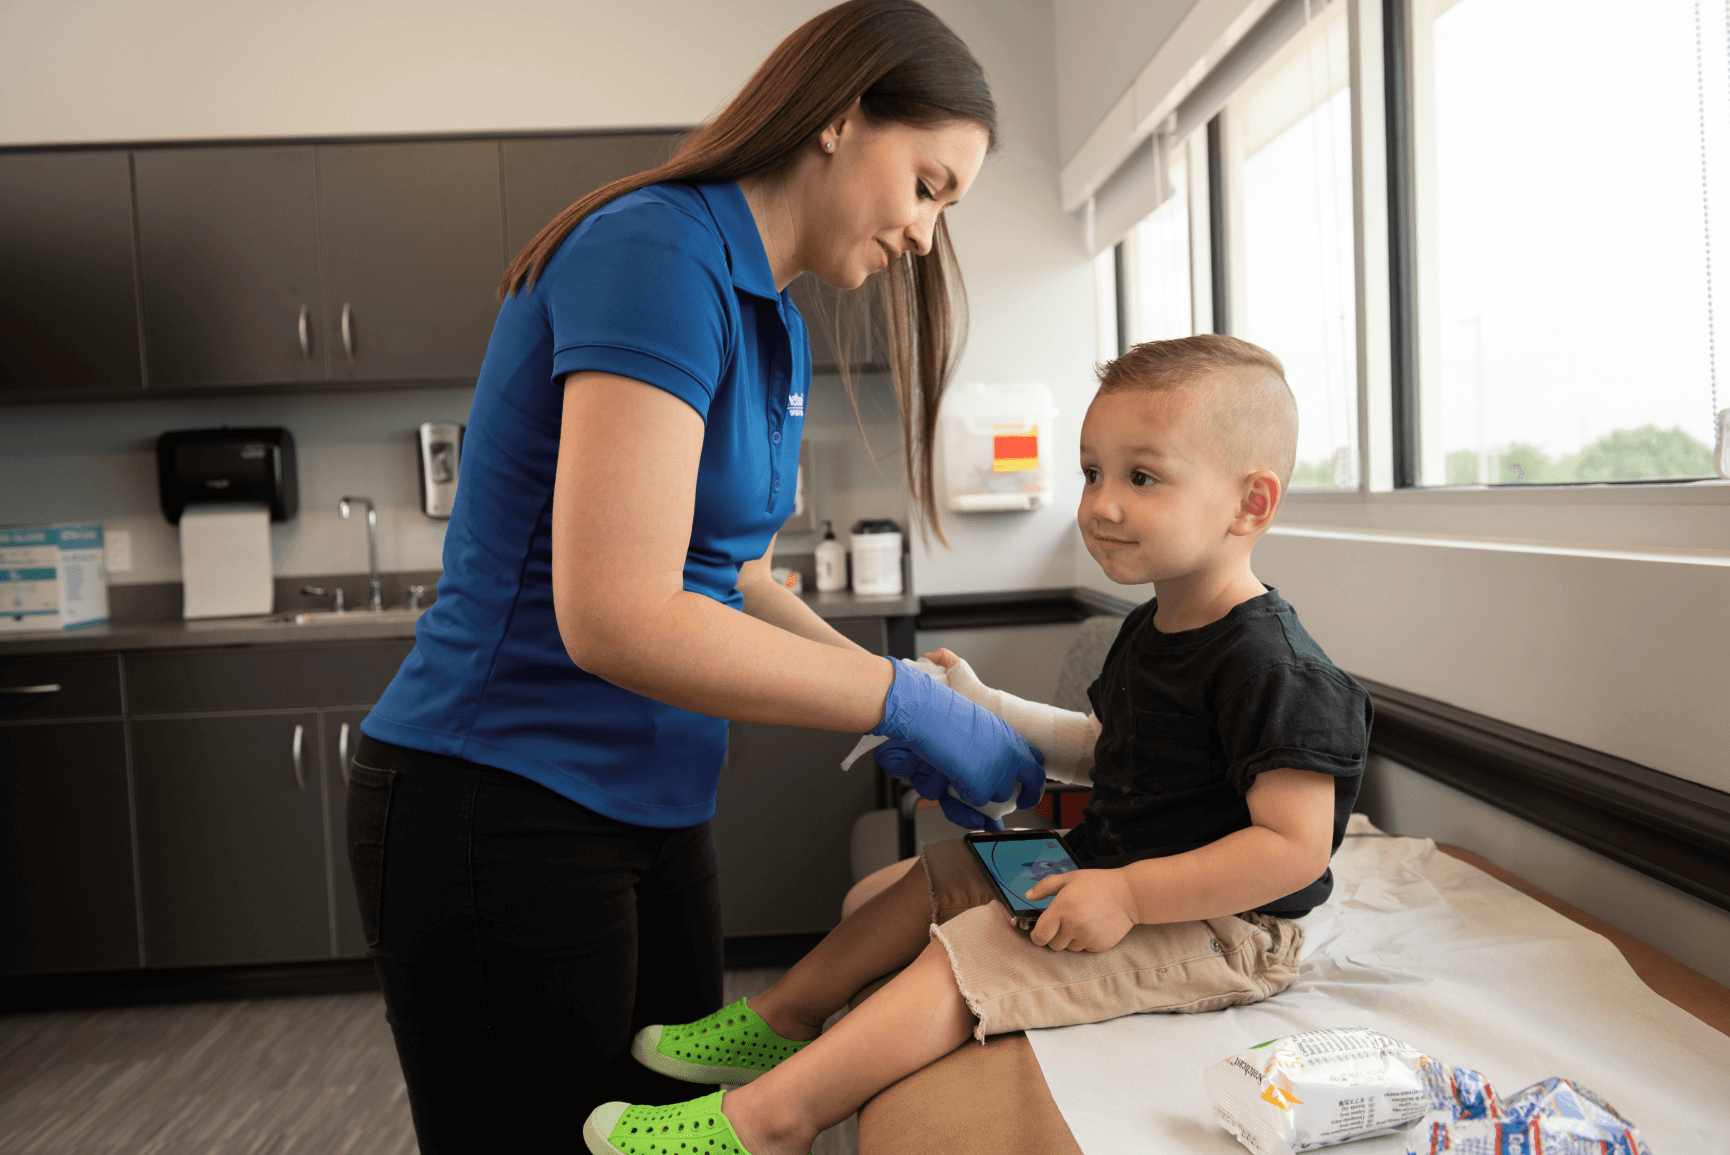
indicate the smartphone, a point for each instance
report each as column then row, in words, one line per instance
column 1014, row 860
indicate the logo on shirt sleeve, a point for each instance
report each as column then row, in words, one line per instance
column 795, row 405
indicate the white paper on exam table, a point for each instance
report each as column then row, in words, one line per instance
column 1439, row 955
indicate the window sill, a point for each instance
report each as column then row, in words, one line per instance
column 1713, row 491
column 1613, row 552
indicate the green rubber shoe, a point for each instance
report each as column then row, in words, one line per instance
column 733, row 1046
column 681, row 1129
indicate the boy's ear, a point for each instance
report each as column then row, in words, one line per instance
column 1262, row 494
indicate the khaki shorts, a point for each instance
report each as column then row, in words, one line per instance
column 1179, row 967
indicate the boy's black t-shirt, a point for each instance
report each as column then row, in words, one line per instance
column 1189, row 719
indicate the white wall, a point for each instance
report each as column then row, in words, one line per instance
column 97, row 462
column 1619, row 655
column 107, row 70
column 1030, row 289
column 1402, row 801
column 1102, row 46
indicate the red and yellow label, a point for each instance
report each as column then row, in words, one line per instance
column 1014, row 454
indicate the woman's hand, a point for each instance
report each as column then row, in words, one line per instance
column 973, row 748
column 1093, row 910
column 899, row 760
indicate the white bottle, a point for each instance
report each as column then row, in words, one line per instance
column 877, row 557
column 831, row 562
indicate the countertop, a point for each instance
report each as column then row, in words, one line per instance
column 351, row 627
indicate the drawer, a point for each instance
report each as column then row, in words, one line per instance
column 261, row 677
column 59, row 686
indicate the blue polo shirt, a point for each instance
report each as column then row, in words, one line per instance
column 668, row 285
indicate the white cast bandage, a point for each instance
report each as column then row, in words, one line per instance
column 1065, row 737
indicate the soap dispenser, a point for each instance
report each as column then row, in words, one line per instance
column 831, row 562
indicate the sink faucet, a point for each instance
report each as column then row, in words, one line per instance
column 374, row 588
column 334, row 594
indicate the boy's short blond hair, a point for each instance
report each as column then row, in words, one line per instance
column 1250, row 407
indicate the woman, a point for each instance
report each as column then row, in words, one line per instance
column 528, row 819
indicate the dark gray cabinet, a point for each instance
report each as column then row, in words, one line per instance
column 545, row 175
column 280, row 264
column 412, row 241
column 181, row 807
column 784, row 815
column 231, row 844
column 228, row 245
column 341, row 733
column 68, row 298
column 67, row 901
column 261, row 677
column 47, row 686
column 299, row 263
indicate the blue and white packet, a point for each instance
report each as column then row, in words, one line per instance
column 1555, row 1117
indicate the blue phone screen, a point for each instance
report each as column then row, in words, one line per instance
column 1019, row 863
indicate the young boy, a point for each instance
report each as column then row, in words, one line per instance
column 1224, row 753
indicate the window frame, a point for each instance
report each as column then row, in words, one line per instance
column 1403, row 430
column 1384, row 216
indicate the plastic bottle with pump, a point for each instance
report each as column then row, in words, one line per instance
column 831, row 562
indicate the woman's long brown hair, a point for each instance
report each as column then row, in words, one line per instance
column 902, row 64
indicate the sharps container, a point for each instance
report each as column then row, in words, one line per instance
column 877, row 557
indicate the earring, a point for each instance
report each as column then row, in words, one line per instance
column 828, row 146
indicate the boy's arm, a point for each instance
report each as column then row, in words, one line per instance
column 1065, row 737
column 1285, row 849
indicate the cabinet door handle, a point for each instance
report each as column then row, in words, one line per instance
column 342, row 751
column 348, row 330
column 299, row 775
column 305, row 334
column 48, row 688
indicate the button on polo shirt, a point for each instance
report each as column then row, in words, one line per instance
column 668, row 285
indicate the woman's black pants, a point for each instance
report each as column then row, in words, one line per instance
column 522, row 940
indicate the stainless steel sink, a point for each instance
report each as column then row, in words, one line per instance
column 313, row 618
column 322, row 617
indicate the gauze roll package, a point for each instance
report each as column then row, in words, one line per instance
column 1317, row 1089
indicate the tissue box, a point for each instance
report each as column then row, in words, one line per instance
column 51, row 578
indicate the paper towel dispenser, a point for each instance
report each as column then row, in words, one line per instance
column 203, row 466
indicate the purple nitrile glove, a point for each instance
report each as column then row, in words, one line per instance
column 967, row 744
column 899, row 760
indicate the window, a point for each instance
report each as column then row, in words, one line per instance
column 1286, row 139
column 1155, row 259
column 1571, row 163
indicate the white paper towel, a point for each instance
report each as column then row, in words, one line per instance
column 1439, row 955
column 225, row 560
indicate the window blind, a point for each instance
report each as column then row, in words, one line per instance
column 1142, row 182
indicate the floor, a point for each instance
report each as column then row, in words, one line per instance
column 315, row 1074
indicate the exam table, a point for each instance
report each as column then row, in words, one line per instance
column 995, row 1098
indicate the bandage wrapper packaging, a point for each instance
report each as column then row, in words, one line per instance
column 1317, row 1089
column 1555, row 1117
column 1322, row 1088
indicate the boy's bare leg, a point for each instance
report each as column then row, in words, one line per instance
column 909, row 1024
column 886, row 933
